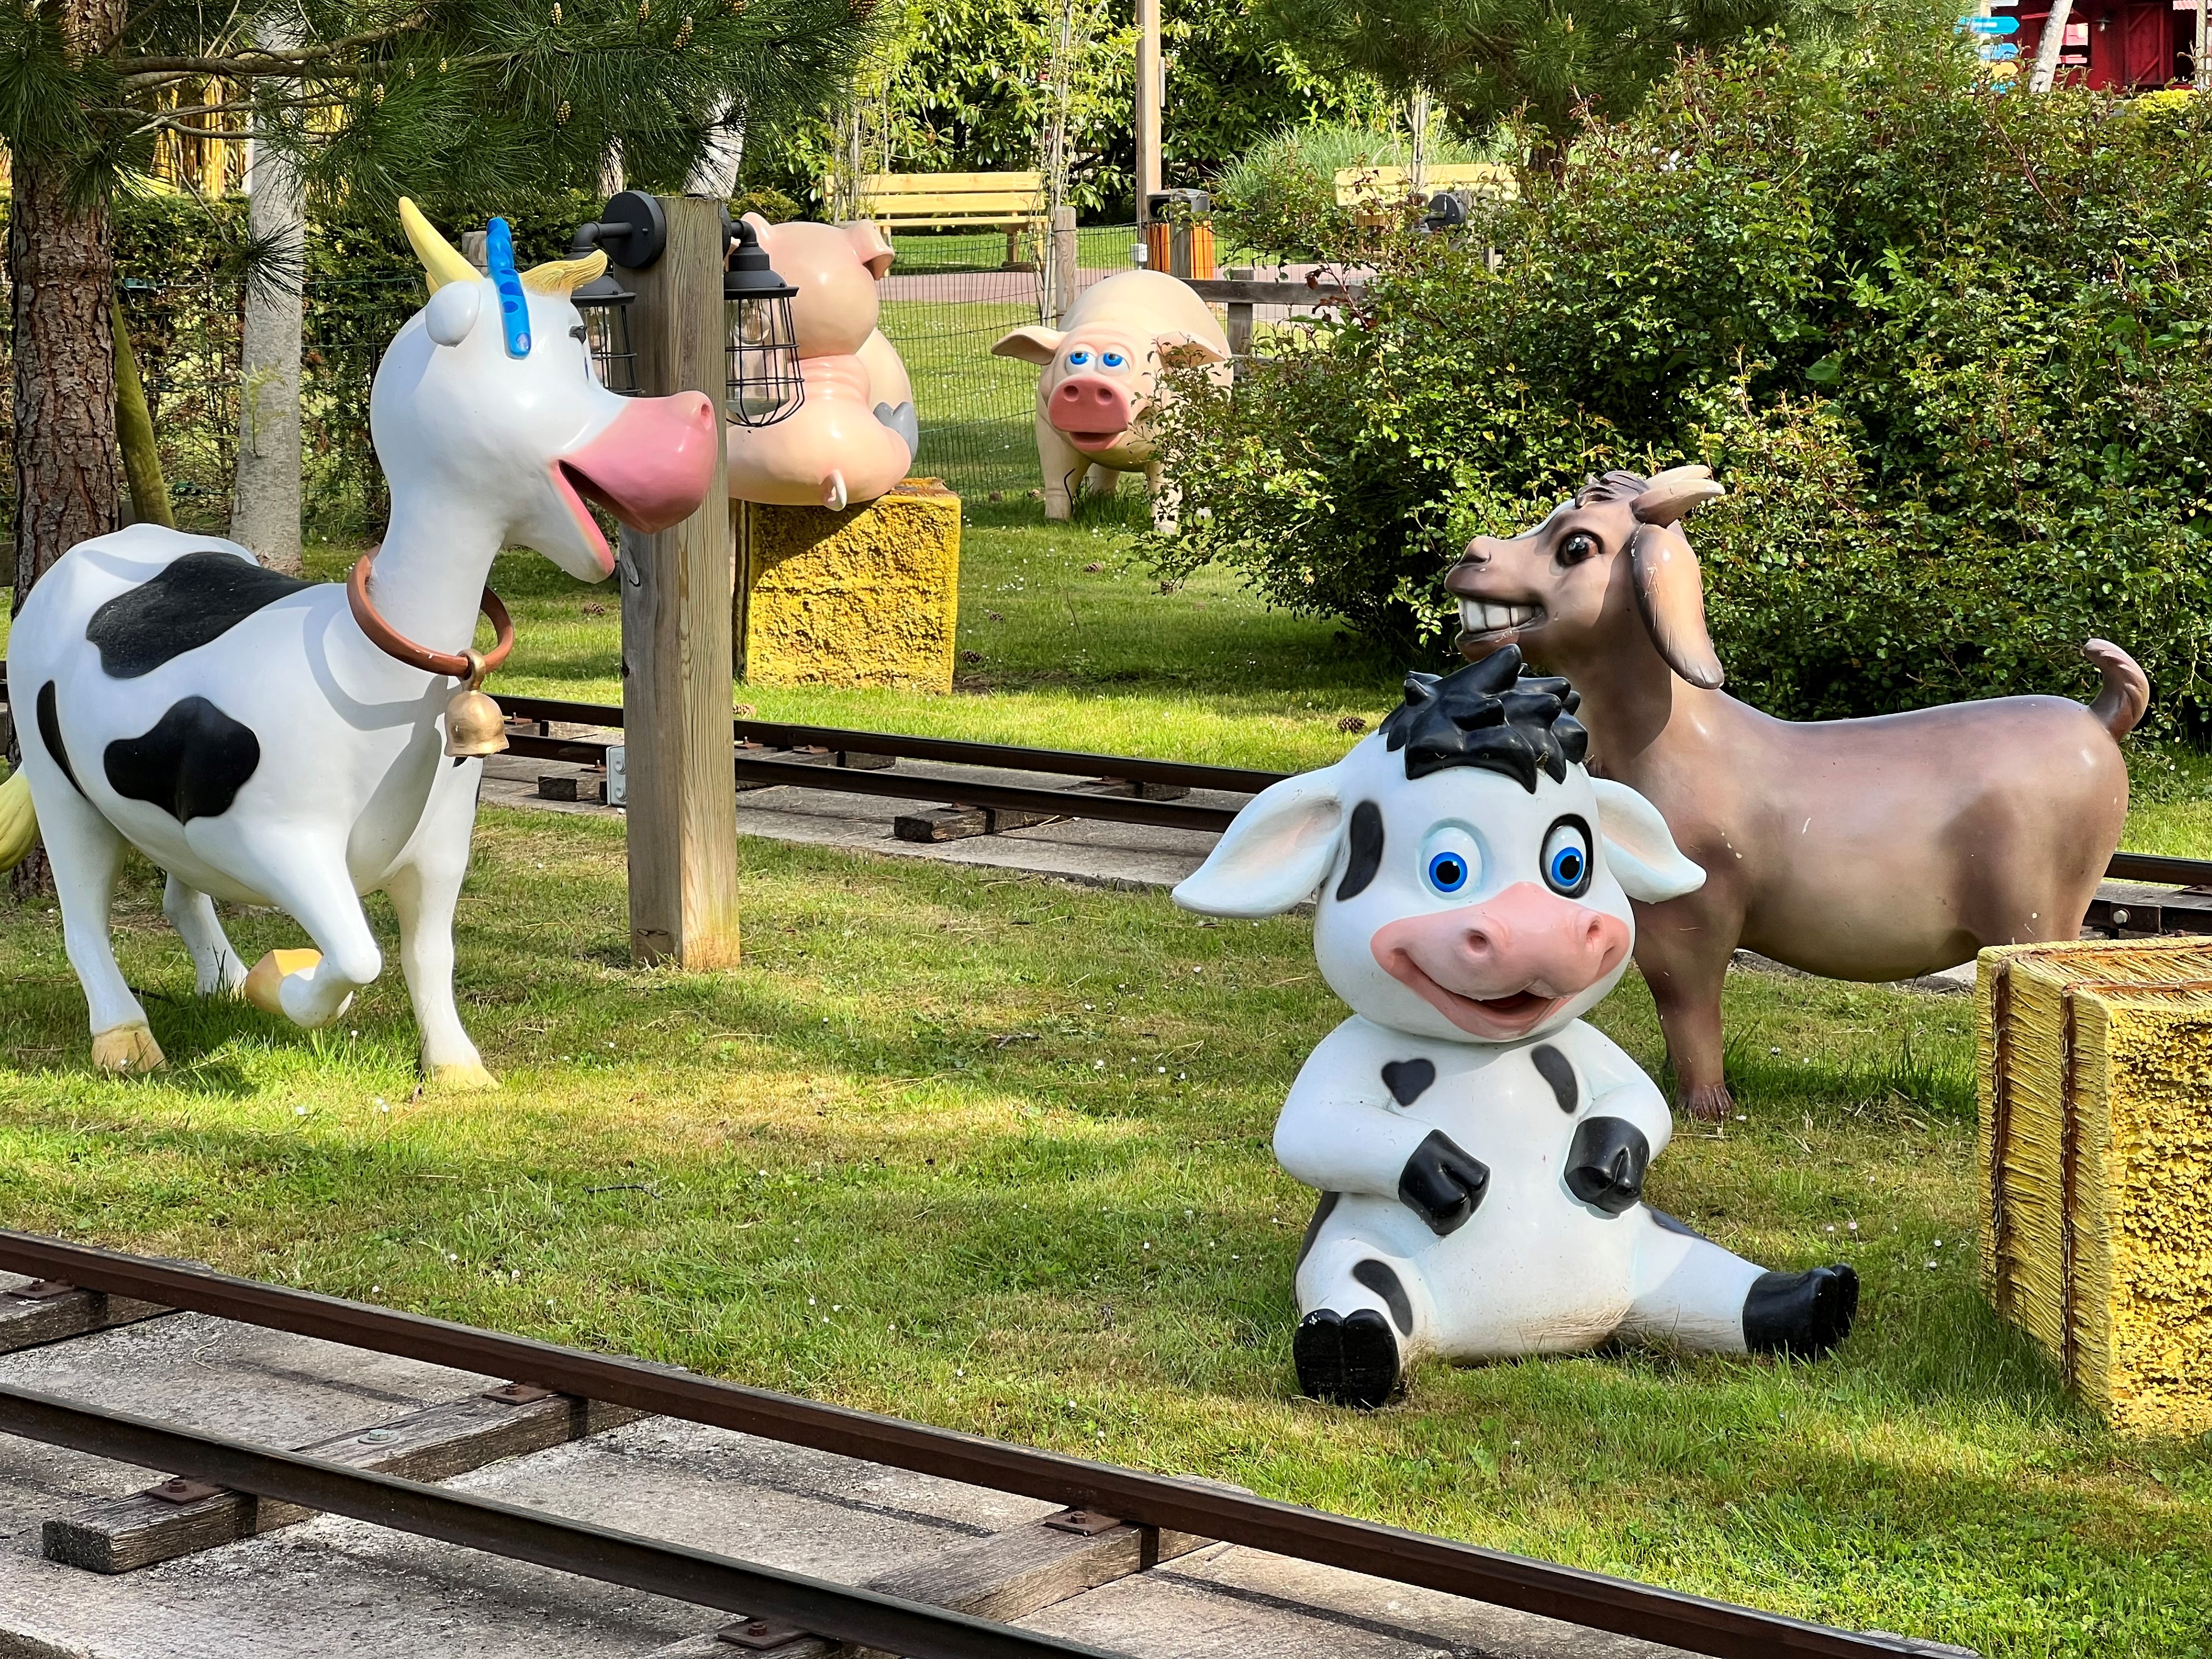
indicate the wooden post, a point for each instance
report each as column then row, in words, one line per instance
column 676, row 598
column 1148, row 104
column 1065, row 253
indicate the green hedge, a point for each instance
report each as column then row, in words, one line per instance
column 1946, row 345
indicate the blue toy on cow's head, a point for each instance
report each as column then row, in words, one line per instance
column 1481, row 1152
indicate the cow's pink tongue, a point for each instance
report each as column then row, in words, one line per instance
column 652, row 467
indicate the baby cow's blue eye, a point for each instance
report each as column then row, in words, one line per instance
column 1077, row 359
column 1566, row 857
column 1448, row 872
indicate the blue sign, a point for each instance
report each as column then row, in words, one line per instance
column 1990, row 25
column 1995, row 54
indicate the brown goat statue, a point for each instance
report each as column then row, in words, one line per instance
column 1859, row 849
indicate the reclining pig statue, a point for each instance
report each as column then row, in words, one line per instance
column 856, row 434
column 1100, row 379
column 1481, row 1152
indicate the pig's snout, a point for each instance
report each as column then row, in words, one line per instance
column 1507, row 959
column 1094, row 406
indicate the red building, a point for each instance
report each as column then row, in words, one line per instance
column 2128, row 45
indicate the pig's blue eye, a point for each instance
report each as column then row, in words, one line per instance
column 1448, row 872
column 1077, row 359
column 1114, row 359
column 1566, row 857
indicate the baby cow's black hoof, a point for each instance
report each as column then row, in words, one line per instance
column 1347, row 1359
column 1802, row 1314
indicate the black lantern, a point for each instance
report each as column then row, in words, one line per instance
column 633, row 231
column 761, row 346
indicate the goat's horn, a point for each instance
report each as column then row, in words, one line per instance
column 565, row 277
column 441, row 262
column 1671, row 493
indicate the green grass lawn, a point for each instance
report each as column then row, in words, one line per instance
column 993, row 1152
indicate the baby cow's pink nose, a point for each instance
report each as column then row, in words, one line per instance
column 1526, row 946
column 1091, row 404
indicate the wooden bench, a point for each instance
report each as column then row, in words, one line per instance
column 1012, row 202
column 1373, row 194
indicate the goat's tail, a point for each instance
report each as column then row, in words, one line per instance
column 19, row 821
column 2127, row 688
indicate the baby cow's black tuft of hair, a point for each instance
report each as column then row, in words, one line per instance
column 1489, row 714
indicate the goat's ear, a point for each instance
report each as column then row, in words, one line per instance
column 1188, row 351
column 1671, row 493
column 1670, row 592
column 1032, row 344
column 1639, row 849
column 1274, row 853
column 452, row 312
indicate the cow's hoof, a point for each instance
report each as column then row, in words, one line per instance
column 1347, row 1359
column 464, row 1077
column 1709, row 1103
column 127, row 1048
column 265, row 980
column 1801, row 1314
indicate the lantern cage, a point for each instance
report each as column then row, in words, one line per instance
column 632, row 230
column 761, row 345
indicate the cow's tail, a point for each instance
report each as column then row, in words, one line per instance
column 19, row 821
column 2120, row 705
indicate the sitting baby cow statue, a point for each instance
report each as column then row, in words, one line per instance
column 1480, row 1150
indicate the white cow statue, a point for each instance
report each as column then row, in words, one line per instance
column 1480, row 1150
column 1100, row 380
column 248, row 735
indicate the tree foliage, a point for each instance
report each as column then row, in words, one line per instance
column 1947, row 348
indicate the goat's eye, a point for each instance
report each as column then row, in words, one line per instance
column 1567, row 858
column 1575, row 546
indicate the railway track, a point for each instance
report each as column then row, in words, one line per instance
column 964, row 1535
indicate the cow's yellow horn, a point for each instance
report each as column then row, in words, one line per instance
column 439, row 259
column 564, row 275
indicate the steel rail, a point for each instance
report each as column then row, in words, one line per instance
column 845, row 1612
column 1578, row 1597
column 778, row 734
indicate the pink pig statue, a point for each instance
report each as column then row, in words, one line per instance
column 1100, row 380
column 856, row 434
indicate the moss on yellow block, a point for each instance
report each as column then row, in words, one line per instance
column 869, row 596
column 2096, row 1110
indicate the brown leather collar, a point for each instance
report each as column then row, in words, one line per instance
column 471, row 665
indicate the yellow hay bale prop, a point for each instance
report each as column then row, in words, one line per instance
column 2096, row 1118
column 869, row 596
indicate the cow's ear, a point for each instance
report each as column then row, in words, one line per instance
column 1639, row 849
column 1189, row 351
column 1274, row 853
column 1032, row 344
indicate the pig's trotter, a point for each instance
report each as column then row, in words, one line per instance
column 1605, row 1164
column 1346, row 1359
column 1801, row 1314
column 1442, row 1184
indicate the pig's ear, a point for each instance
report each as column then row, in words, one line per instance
column 1639, row 849
column 869, row 242
column 1274, row 853
column 1189, row 351
column 1032, row 345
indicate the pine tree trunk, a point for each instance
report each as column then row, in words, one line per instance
column 265, row 503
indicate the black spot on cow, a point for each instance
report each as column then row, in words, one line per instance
column 1377, row 1277
column 50, row 733
column 191, row 764
column 1557, row 1070
column 199, row 597
column 1409, row 1079
column 1322, row 1211
column 1605, row 1164
column 1366, row 850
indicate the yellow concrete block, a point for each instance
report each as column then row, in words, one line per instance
column 2096, row 1131
column 870, row 596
